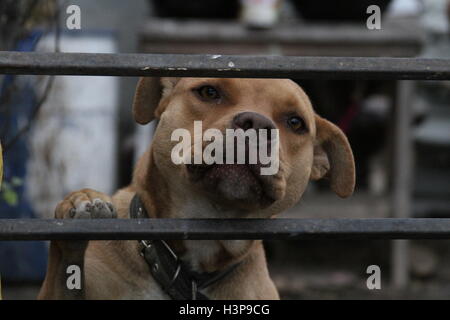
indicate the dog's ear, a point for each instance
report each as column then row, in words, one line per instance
column 149, row 93
column 333, row 158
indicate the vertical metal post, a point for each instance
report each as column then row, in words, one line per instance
column 402, row 182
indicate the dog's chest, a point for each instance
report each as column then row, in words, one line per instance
column 208, row 255
column 147, row 289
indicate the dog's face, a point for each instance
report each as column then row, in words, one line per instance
column 301, row 145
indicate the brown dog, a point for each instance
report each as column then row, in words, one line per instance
column 310, row 148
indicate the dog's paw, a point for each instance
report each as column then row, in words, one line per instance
column 83, row 204
column 86, row 204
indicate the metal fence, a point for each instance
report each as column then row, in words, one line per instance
column 224, row 66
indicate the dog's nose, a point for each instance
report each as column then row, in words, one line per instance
column 252, row 120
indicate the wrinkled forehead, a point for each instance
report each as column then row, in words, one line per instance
column 280, row 94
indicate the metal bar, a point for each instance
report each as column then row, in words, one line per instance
column 402, row 178
column 174, row 65
column 126, row 229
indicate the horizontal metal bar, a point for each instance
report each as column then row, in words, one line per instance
column 175, row 65
column 287, row 229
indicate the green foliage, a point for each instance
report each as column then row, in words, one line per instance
column 8, row 193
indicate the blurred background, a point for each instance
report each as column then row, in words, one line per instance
column 53, row 128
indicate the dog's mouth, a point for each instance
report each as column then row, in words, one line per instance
column 239, row 185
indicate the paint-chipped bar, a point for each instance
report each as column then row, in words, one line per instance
column 287, row 229
column 177, row 65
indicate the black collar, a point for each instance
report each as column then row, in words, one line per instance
column 174, row 276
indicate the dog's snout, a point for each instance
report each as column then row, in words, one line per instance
column 252, row 120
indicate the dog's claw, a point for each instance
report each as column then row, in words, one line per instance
column 87, row 207
column 111, row 207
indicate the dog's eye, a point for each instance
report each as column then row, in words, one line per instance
column 208, row 93
column 297, row 124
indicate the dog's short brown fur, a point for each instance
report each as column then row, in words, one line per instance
column 115, row 270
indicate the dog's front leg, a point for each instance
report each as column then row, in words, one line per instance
column 67, row 257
